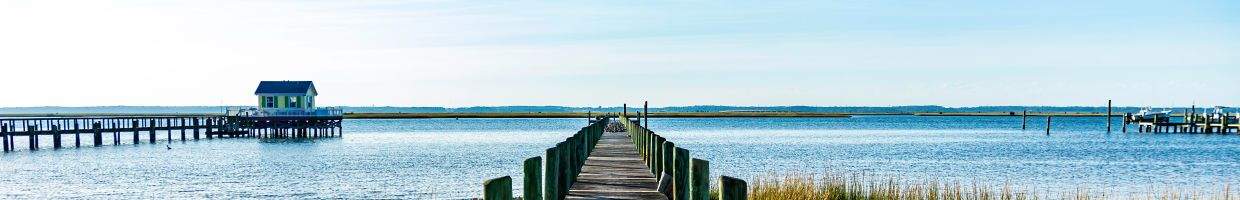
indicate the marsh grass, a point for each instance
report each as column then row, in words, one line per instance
column 859, row 187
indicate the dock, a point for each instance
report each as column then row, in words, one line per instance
column 615, row 159
column 62, row 132
column 615, row 171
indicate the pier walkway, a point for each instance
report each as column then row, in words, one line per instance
column 615, row 171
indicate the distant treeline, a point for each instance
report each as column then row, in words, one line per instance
column 551, row 109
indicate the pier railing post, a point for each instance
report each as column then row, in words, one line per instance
column 680, row 174
column 699, row 183
column 497, row 189
column 732, row 188
column 533, row 179
column 551, row 180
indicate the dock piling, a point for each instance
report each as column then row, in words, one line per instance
column 1048, row 125
column 1024, row 119
column 1108, row 116
column 98, row 133
column 55, row 136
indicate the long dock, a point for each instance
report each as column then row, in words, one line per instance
column 615, row 160
column 615, row 171
column 75, row 132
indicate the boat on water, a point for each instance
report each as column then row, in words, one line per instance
column 1148, row 112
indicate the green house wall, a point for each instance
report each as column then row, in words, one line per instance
column 282, row 101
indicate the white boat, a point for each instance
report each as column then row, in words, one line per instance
column 1148, row 112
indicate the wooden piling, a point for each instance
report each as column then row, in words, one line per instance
column 1048, row 125
column 196, row 128
column 77, row 135
column 533, row 175
column 134, row 127
column 1108, row 116
column 34, row 138
column 4, row 136
column 1024, row 119
column 551, row 179
column 116, row 134
column 497, row 189
column 699, row 182
column 55, row 136
column 732, row 188
column 98, row 133
column 151, row 126
column 680, row 174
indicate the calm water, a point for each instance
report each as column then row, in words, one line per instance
column 449, row 158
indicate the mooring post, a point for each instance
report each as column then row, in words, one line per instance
column 699, row 183
column 1048, row 124
column 1108, row 116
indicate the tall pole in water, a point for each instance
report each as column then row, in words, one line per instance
column 1048, row 124
column 1024, row 119
column 626, row 110
column 646, row 111
column 1108, row 116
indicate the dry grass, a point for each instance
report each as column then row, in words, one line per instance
column 860, row 187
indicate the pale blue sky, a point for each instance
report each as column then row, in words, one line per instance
column 468, row 53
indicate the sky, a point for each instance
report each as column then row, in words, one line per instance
column 604, row 53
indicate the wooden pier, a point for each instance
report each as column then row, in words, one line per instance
column 57, row 133
column 99, row 131
column 615, row 171
column 1188, row 124
column 615, row 160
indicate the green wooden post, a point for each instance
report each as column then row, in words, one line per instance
column 550, row 181
column 732, row 188
column 497, row 189
column 680, row 174
column 667, row 162
column 533, row 176
column 699, row 183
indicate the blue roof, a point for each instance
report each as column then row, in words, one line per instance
column 284, row 87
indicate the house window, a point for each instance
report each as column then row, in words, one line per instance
column 269, row 102
column 310, row 102
column 292, row 102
